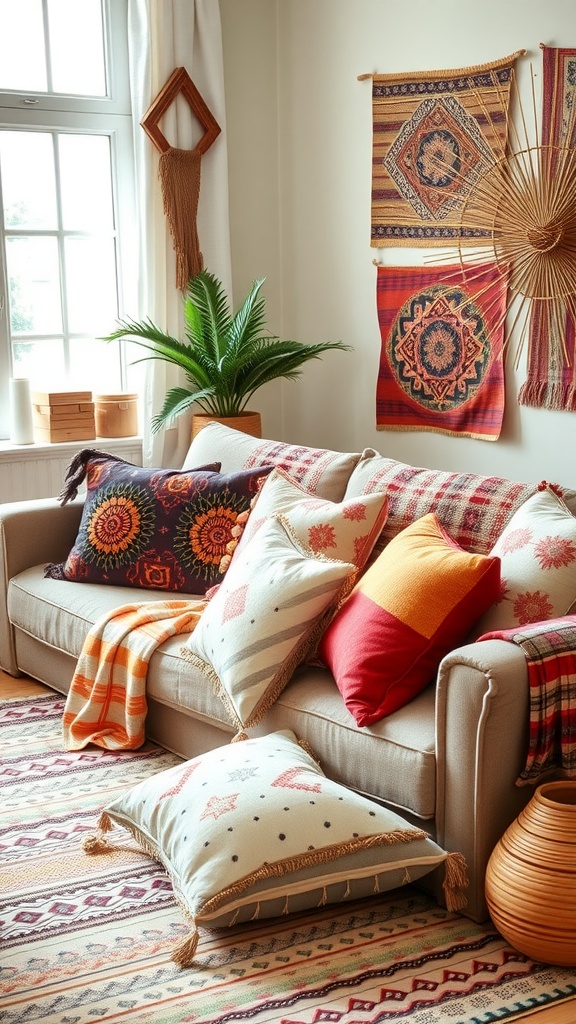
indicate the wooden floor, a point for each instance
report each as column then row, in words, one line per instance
column 560, row 1014
column 23, row 687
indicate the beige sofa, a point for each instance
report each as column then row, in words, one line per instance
column 447, row 761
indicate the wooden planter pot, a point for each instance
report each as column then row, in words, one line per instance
column 248, row 422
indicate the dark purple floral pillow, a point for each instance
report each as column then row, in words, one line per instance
column 154, row 528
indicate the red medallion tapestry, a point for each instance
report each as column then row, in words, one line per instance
column 441, row 363
column 551, row 378
column 434, row 135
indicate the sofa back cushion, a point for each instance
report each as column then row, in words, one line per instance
column 473, row 509
column 319, row 470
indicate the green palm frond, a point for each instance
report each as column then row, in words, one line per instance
column 207, row 314
column 226, row 357
column 177, row 401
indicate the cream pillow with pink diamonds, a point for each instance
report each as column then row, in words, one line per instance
column 256, row 830
column 537, row 552
column 264, row 618
column 345, row 530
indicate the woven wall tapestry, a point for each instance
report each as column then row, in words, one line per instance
column 551, row 377
column 441, row 363
column 434, row 134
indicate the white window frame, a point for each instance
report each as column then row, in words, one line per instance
column 111, row 116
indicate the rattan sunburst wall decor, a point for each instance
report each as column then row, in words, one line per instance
column 528, row 201
column 525, row 203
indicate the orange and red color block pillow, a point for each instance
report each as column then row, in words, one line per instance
column 416, row 602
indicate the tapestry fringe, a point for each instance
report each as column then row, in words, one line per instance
column 438, row 430
column 543, row 394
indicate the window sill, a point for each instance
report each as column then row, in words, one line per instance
column 38, row 470
column 10, row 452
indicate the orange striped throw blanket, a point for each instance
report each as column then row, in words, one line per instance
column 106, row 704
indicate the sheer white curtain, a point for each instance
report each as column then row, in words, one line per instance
column 164, row 35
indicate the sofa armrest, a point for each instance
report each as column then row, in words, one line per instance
column 31, row 532
column 482, row 712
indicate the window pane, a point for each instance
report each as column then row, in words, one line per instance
column 34, row 285
column 94, row 365
column 29, row 196
column 77, row 47
column 91, row 285
column 42, row 362
column 66, row 193
column 23, row 64
column 86, row 182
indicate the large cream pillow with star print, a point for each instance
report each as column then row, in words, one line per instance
column 255, row 829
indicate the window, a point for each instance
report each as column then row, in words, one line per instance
column 67, row 264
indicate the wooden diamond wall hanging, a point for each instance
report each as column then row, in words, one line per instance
column 179, row 171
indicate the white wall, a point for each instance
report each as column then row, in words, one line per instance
column 300, row 133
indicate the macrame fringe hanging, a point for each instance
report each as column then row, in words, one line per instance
column 179, row 173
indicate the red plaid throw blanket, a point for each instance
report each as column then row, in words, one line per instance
column 106, row 704
column 550, row 650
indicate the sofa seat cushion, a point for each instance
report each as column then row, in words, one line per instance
column 320, row 470
column 393, row 759
column 60, row 614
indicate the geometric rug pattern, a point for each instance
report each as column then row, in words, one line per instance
column 85, row 939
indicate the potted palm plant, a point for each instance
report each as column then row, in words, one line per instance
column 226, row 356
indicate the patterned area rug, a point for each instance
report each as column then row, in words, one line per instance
column 88, row 939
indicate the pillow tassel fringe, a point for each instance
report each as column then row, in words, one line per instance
column 76, row 472
column 455, row 881
column 239, row 737
column 97, row 843
column 185, row 951
column 308, row 749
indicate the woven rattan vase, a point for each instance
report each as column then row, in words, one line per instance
column 531, row 877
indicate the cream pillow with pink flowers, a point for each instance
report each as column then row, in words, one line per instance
column 537, row 552
column 345, row 530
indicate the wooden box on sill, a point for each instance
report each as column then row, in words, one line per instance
column 63, row 416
